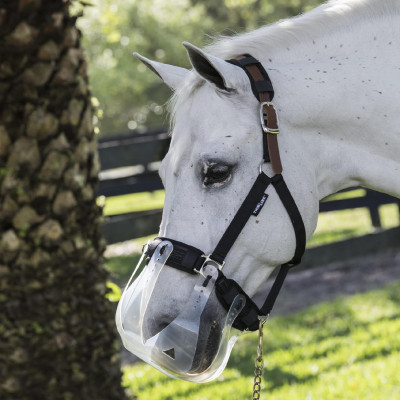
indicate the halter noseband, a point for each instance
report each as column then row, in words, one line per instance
column 192, row 260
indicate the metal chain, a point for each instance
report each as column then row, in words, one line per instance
column 259, row 364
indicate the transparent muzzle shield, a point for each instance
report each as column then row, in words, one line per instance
column 172, row 350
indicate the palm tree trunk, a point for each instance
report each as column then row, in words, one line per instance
column 57, row 337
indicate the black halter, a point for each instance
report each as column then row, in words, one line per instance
column 190, row 259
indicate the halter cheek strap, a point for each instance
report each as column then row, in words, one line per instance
column 191, row 260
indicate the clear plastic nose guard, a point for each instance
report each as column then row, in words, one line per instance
column 172, row 350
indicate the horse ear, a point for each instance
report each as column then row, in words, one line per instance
column 215, row 70
column 173, row 76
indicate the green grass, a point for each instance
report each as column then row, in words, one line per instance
column 134, row 202
column 346, row 195
column 347, row 349
column 340, row 225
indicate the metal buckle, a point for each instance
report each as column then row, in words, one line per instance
column 208, row 260
column 263, row 318
column 262, row 120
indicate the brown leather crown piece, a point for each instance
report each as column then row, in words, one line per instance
column 270, row 119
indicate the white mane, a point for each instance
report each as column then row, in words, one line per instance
column 331, row 16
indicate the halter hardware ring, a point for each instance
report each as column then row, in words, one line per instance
column 265, row 128
column 209, row 260
column 263, row 318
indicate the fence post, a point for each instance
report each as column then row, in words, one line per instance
column 375, row 217
column 398, row 207
column 374, row 211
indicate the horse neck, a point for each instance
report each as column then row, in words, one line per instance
column 338, row 102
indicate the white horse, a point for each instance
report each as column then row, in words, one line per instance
column 336, row 76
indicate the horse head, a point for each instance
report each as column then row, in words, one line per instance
column 214, row 158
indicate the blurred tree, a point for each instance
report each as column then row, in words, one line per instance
column 57, row 334
column 129, row 97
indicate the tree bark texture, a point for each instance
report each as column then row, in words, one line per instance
column 57, row 336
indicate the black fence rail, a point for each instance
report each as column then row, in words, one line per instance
column 129, row 164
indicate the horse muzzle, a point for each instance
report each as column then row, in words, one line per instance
column 178, row 349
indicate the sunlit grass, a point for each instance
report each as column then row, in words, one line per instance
column 390, row 215
column 134, row 202
column 347, row 349
column 340, row 225
column 346, row 195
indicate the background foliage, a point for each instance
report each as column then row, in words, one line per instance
column 129, row 97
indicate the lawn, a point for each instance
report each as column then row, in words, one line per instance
column 340, row 225
column 347, row 349
column 134, row 202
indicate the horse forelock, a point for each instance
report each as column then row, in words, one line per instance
column 189, row 87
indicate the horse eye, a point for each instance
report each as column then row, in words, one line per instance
column 216, row 174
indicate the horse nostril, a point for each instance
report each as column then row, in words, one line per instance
column 162, row 326
column 154, row 325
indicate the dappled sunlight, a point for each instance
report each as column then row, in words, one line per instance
column 375, row 308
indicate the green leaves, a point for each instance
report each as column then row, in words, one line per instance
column 114, row 292
column 132, row 97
